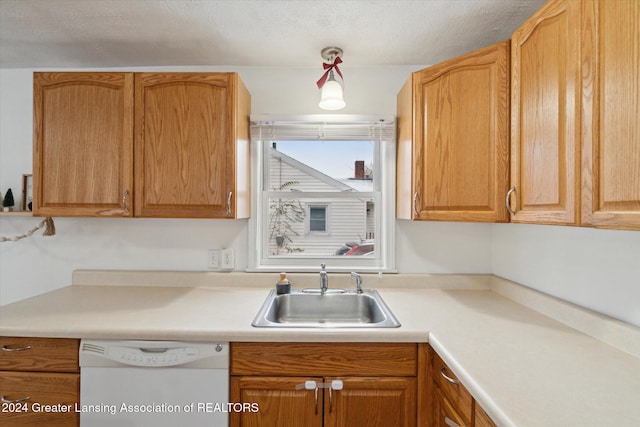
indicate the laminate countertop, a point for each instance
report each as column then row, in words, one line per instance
column 522, row 366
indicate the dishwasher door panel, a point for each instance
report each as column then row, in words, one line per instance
column 159, row 397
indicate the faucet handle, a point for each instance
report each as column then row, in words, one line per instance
column 323, row 266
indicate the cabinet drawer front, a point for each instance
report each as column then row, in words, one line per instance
column 39, row 354
column 392, row 359
column 481, row 418
column 445, row 413
column 457, row 394
column 60, row 391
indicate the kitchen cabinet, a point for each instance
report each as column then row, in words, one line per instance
column 34, row 373
column 453, row 139
column 480, row 417
column 444, row 413
column 191, row 145
column 452, row 404
column 575, row 134
column 141, row 144
column 83, row 144
column 347, row 384
column 545, row 125
column 610, row 110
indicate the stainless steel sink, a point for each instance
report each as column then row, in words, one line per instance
column 334, row 309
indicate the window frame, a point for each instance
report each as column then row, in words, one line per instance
column 259, row 260
column 327, row 219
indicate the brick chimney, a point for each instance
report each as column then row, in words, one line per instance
column 359, row 169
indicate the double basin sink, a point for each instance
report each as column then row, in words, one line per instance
column 336, row 308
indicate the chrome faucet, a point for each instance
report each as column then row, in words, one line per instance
column 358, row 282
column 324, row 279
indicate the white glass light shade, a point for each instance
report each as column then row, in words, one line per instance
column 331, row 95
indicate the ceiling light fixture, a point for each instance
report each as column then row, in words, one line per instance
column 331, row 90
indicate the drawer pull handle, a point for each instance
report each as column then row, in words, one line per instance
column 26, row 347
column 22, row 399
column 448, row 421
column 448, row 378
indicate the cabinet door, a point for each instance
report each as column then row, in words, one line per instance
column 611, row 129
column 444, row 413
column 35, row 390
column 480, row 417
column 545, row 129
column 371, row 402
column 280, row 402
column 83, row 144
column 185, row 148
column 461, row 137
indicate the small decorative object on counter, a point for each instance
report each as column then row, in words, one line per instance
column 7, row 202
column 284, row 285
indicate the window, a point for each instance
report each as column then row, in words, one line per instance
column 323, row 193
column 317, row 219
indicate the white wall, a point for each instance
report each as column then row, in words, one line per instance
column 598, row 269
column 39, row 264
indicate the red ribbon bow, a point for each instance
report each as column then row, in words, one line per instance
column 328, row 68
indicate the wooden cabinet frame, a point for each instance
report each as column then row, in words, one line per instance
column 545, row 125
column 386, row 376
column 191, row 145
column 453, row 139
column 610, row 111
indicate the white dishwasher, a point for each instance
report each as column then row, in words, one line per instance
column 153, row 383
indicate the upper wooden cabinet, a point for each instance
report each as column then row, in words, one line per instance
column 453, row 139
column 545, row 125
column 83, row 144
column 610, row 112
column 191, row 130
column 191, row 139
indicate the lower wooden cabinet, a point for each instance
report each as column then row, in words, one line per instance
column 445, row 413
column 371, row 401
column 451, row 403
column 39, row 398
column 279, row 400
column 481, row 418
column 325, row 384
column 39, row 382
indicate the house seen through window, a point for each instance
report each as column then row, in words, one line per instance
column 321, row 197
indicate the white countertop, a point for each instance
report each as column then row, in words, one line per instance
column 524, row 368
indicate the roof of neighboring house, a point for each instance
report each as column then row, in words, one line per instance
column 347, row 184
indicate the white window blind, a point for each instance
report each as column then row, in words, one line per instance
column 382, row 129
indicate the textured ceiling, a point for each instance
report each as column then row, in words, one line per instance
column 122, row 33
